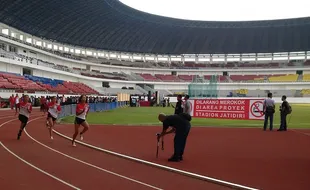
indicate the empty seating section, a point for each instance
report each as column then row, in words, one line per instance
column 220, row 79
column 168, row 78
column 79, row 88
column 148, row 77
column 284, row 78
column 31, row 83
column 104, row 76
column 14, row 81
column 307, row 63
column 306, row 77
column 234, row 78
column 245, row 77
column 305, row 92
column 187, row 78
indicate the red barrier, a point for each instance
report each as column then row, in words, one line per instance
column 243, row 109
column 145, row 103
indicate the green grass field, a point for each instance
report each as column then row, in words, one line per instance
column 300, row 118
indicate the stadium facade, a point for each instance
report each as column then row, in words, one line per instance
column 113, row 26
column 109, row 32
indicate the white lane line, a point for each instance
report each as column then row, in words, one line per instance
column 16, row 116
column 7, row 116
column 302, row 133
column 40, row 170
column 182, row 172
column 88, row 164
column 228, row 126
column 33, row 166
column 7, row 122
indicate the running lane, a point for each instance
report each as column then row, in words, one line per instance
column 250, row 157
column 15, row 174
column 150, row 175
column 68, row 170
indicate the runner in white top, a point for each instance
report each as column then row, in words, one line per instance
column 82, row 109
column 25, row 109
column 16, row 101
column 53, row 111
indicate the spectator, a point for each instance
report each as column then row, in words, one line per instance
column 269, row 110
column 284, row 110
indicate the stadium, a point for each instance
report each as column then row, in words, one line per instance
column 132, row 65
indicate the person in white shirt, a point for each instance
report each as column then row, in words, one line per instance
column 82, row 109
column 16, row 101
column 269, row 110
column 24, row 108
column 52, row 115
column 187, row 105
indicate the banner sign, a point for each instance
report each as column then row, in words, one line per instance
column 242, row 109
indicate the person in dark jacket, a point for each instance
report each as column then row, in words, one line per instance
column 284, row 108
column 179, row 105
column 180, row 125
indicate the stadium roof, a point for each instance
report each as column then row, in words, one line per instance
column 111, row 25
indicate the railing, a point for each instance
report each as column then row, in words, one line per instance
column 69, row 110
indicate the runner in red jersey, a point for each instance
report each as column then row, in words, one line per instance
column 16, row 101
column 52, row 114
column 82, row 109
column 25, row 109
column 43, row 107
column 12, row 102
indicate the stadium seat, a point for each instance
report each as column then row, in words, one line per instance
column 15, row 81
column 31, row 83
column 285, row 78
column 305, row 92
column 187, row 78
column 306, row 77
column 221, row 78
column 79, row 88
column 307, row 63
column 148, row 77
column 245, row 77
column 167, row 78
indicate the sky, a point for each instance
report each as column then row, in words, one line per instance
column 224, row 10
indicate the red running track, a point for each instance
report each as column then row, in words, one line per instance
column 251, row 157
column 80, row 167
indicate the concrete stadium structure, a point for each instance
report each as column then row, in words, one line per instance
column 256, row 56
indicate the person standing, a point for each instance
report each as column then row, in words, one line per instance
column 12, row 102
column 269, row 110
column 179, row 105
column 284, row 110
column 187, row 105
column 16, row 100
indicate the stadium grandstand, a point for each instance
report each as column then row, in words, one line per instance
column 132, row 65
column 252, row 55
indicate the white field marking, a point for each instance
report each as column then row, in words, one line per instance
column 88, row 164
column 307, row 134
column 5, row 117
column 40, row 170
column 182, row 172
column 7, row 122
column 33, row 166
column 14, row 120
column 233, row 126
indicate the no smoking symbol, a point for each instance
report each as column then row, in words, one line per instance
column 257, row 109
